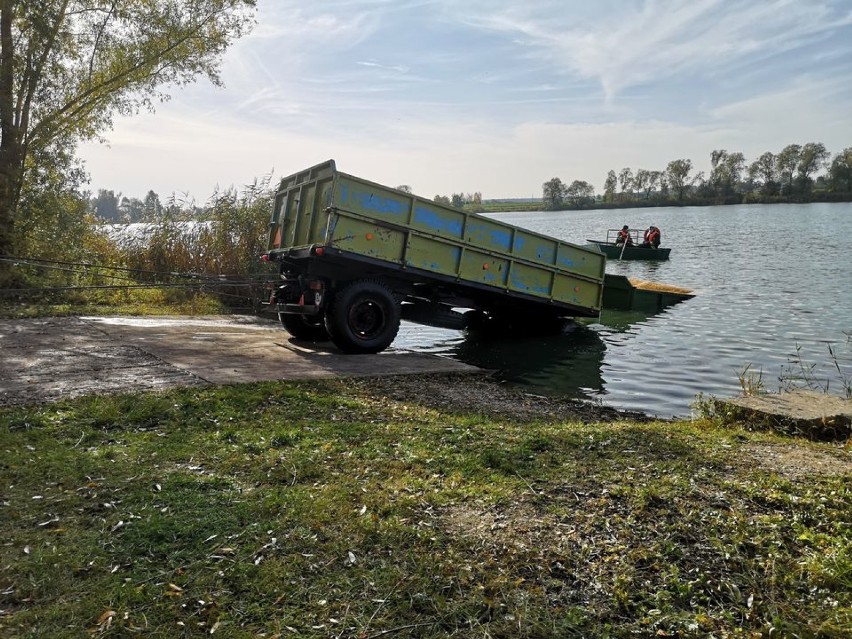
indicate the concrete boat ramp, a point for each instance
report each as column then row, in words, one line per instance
column 51, row 358
column 796, row 412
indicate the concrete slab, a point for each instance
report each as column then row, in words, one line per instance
column 801, row 411
column 44, row 359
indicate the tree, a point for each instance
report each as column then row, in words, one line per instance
column 812, row 157
column 106, row 205
column 645, row 181
column 152, row 206
column 580, row 191
column 553, row 194
column 788, row 160
column 663, row 181
column 625, row 179
column 610, row 185
column 405, row 188
column 457, row 200
column 677, row 175
column 131, row 209
column 841, row 171
column 727, row 171
column 734, row 167
column 717, row 170
column 441, row 199
column 68, row 66
column 765, row 170
column 52, row 207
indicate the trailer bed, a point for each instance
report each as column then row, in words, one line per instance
column 330, row 223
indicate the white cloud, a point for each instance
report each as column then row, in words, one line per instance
column 495, row 96
column 632, row 44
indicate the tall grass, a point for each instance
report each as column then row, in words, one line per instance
column 225, row 239
column 188, row 257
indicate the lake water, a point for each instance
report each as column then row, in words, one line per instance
column 773, row 288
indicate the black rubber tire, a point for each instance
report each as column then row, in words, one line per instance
column 306, row 327
column 363, row 317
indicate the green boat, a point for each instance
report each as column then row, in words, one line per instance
column 635, row 251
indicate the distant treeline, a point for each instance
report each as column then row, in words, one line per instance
column 798, row 173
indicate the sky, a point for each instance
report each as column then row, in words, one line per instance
column 494, row 96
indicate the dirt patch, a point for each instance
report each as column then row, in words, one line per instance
column 465, row 393
column 797, row 461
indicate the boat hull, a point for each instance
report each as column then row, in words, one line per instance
column 617, row 251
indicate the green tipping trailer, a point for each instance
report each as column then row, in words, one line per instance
column 355, row 257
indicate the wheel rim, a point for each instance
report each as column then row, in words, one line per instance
column 367, row 319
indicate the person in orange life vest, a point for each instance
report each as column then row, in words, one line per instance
column 624, row 236
column 652, row 237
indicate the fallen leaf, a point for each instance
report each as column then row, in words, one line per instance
column 106, row 615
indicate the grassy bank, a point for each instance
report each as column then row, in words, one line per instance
column 330, row 509
column 154, row 301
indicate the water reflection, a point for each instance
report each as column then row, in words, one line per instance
column 618, row 321
column 564, row 364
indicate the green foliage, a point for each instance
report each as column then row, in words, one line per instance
column 68, row 67
column 53, row 216
column 841, row 171
column 610, row 186
column 554, row 192
column 580, row 192
column 190, row 260
column 677, row 174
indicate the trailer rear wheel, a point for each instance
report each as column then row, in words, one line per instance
column 307, row 327
column 363, row 317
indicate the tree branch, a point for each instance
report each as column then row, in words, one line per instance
column 37, row 70
column 89, row 99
